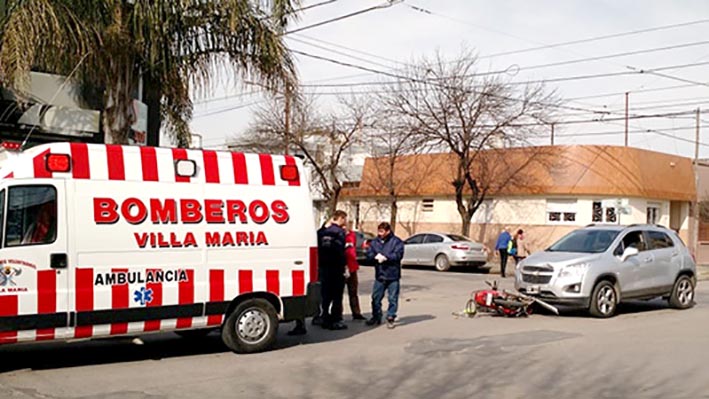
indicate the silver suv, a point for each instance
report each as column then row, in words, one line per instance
column 598, row 266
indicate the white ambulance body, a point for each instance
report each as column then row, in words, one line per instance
column 107, row 240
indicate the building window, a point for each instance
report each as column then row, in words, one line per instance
column 427, row 205
column 653, row 213
column 603, row 215
column 561, row 211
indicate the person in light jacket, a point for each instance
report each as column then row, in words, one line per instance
column 522, row 250
column 386, row 252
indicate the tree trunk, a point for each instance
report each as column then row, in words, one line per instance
column 393, row 213
column 119, row 114
column 152, row 94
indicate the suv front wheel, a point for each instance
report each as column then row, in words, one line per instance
column 604, row 299
column 682, row 296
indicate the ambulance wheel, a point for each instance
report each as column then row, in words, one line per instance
column 251, row 327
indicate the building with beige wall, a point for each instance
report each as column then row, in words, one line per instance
column 547, row 191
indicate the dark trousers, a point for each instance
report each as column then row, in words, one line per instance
column 352, row 284
column 503, row 261
column 333, row 288
column 392, row 289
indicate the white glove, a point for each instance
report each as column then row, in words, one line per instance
column 380, row 258
column 347, row 273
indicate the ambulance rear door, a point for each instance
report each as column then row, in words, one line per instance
column 33, row 261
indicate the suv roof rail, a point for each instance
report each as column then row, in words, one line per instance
column 590, row 225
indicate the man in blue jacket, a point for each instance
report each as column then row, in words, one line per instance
column 386, row 252
column 503, row 241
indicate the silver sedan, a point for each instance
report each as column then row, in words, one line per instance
column 443, row 250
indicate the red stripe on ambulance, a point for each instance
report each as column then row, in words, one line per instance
column 80, row 161
column 84, row 299
column 46, row 299
column 8, row 307
column 149, row 162
column 119, row 300
column 154, row 325
column 290, row 161
column 211, row 167
column 238, row 161
column 116, row 164
column 40, row 166
column 298, row 277
column 272, row 284
column 246, row 281
column 186, row 297
column 216, row 294
column 267, row 176
column 177, row 155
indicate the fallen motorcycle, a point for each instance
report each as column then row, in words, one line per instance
column 503, row 302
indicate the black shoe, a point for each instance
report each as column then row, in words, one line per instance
column 358, row 317
column 390, row 323
column 317, row 321
column 374, row 321
column 297, row 331
column 338, row 326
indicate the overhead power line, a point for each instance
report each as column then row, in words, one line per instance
column 346, row 16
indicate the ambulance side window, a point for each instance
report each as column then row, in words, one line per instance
column 31, row 216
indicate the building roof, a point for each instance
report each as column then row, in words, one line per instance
column 594, row 170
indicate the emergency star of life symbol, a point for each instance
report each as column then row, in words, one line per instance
column 7, row 274
column 143, row 296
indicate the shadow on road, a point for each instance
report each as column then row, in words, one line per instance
column 157, row 347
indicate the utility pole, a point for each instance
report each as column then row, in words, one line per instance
column 552, row 134
column 696, row 139
column 626, row 118
column 287, row 95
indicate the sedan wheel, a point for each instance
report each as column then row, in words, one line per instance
column 442, row 263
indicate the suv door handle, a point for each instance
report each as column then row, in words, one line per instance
column 649, row 260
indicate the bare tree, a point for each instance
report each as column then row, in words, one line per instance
column 389, row 142
column 323, row 140
column 451, row 107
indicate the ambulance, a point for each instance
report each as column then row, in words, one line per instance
column 109, row 240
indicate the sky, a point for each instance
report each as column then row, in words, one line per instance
column 383, row 39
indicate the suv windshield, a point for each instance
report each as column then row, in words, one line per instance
column 585, row 241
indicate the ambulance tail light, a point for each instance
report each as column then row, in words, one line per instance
column 289, row 173
column 59, row 163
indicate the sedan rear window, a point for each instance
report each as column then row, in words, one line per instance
column 456, row 237
column 585, row 241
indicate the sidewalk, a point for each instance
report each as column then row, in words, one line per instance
column 702, row 272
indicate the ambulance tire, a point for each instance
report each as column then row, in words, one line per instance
column 251, row 327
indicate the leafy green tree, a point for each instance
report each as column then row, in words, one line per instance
column 177, row 46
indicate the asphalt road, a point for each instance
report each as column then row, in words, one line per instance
column 647, row 351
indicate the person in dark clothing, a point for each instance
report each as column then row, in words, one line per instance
column 386, row 252
column 331, row 259
column 503, row 241
column 332, row 266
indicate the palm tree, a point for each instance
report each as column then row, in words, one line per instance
column 179, row 46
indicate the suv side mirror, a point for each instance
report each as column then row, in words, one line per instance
column 629, row 253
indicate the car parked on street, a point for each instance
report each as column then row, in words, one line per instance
column 597, row 267
column 443, row 250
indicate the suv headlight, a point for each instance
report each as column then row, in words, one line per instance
column 577, row 270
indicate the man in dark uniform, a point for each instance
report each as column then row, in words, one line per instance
column 332, row 265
